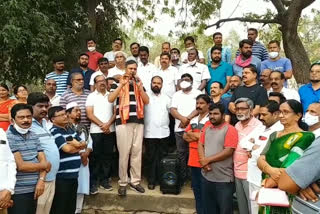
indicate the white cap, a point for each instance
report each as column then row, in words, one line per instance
column 71, row 105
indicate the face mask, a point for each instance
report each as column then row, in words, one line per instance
column 174, row 57
column 273, row 55
column 91, row 49
column 242, row 117
column 310, row 119
column 20, row 130
column 192, row 62
column 185, row 84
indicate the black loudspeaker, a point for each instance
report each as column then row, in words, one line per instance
column 170, row 180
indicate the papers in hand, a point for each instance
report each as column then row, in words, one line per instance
column 273, row 197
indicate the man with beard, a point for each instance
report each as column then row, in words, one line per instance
column 265, row 79
column 217, row 143
column 30, row 159
column 191, row 136
column 245, row 58
column 50, row 91
column 235, row 82
column 102, row 115
column 310, row 93
column 215, row 95
column 77, row 94
column 255, row 142
column 220, row 71
column 59, row 75
column 165, row 48
column 247, row 125
column 94, row 55
column 83, row 69
column 277, row 79
column 103, row 70
column 225, row 50
column 182, row 109
column 250, row 89
column 145, row 68
column 258, row 49
column 198, row 71
column 40, row 105
column 156, row 130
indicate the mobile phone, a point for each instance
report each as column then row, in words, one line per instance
column 3, row 142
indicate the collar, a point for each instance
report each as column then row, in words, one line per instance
column 217, row 127
column 15, row 132
column 276, row 127
column 252, row 122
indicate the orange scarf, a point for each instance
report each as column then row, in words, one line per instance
column 124, row 103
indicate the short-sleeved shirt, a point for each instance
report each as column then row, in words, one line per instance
column 170, row 78
column 86, row 75
column 215, row 140
column 225, row 103
column 258, row 50
column 69, row 163
column 195, row 126
column 109, row 55
column 29, row 147
column 115, row 71
column 308, row 95
column 184, row 56
column 305, row 171
column 256, row 93
column 225, row 55
column 102, row 109
column 283, row 64
column 133, row 118
column 219, row 74
column 93, row 59
column 81, row 99
column 61, row 80
column 49, row 147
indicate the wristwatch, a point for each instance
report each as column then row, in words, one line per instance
column 41, row 178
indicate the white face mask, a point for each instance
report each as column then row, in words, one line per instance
column 192, row 62
column 185, row 84
column 310, row 120
column 21, row 130
column 91, row 49
column 273, row 54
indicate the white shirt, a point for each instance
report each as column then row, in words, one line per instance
column 115, row 71
column 145, row 72
column 198, row 72
column 97, row 73
column 7, row 165
column 184, row 56
column 109, row 55
column 170, row 80
column 185, row 104
column 102, row 109
column 156, row 123
column 289, row 93
column 261, row 139
column 55, row 100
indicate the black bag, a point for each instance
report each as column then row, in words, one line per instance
column 170, row 180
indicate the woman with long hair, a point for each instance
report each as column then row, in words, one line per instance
column 283, row 148
column 5, row 105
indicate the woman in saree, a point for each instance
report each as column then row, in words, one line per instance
column 283, row 148
column 21, row 93
column 5, row 105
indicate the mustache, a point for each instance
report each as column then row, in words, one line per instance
column 198, row 108
column 26, row 124
column 274, row 83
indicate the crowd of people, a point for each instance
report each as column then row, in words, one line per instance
column 236, row 127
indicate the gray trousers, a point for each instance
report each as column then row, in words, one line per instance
column 243, row 197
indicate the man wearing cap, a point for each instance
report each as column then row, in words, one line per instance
column 59, row 75
column 119, row 69
column 83, row 69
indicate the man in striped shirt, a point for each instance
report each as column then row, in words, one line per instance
column 69, row 145
column 130, row 97
column 59, row 75
column 258, row 49
column 77, row 94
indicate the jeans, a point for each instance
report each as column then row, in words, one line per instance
column 196, row 187
column 101, row 157
column 217, row 197
column 23, row 204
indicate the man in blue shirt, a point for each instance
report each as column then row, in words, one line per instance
column 226, row 51
column 310, row 93
column 69, row 145
column 84, row 69
column 219, row 70
column 40, row 105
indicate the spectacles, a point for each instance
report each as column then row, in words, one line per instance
column 242, row 108
column 61, row 115
column 78, row 80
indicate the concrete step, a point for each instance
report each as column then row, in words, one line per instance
column 152, row 201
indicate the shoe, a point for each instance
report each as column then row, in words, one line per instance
column 137, row 188
column 94, row 190
column 122, row 191
column 106, row 186
column 151, row 186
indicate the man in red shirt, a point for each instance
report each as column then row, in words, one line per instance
column 191, row 135
column 94, row 55
column 217, row 142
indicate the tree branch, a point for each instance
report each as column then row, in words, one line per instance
column 243, row 19
column 279, row 6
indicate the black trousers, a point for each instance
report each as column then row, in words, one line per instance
column 101, row 157
column 156, row 149
column 183, row 155
column 23, row 204
column 65, row 197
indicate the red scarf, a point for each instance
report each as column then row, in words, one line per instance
column 242, row 63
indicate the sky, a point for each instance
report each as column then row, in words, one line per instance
column 166, row 23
